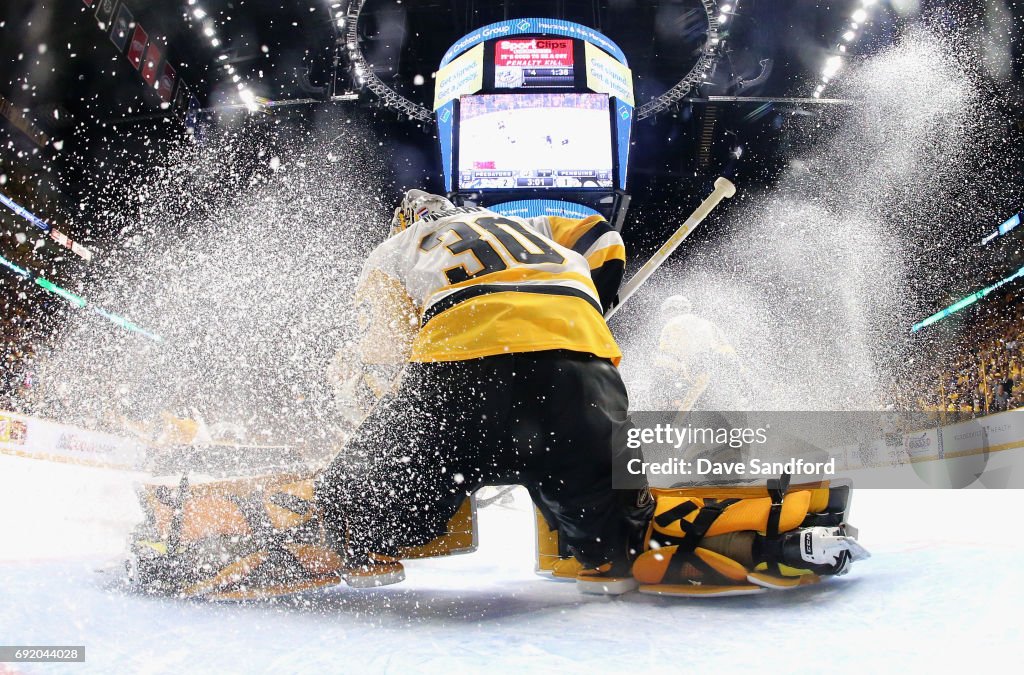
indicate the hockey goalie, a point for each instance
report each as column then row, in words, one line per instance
column 484, row 359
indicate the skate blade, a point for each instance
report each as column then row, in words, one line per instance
column 688, row 591
column 374, row 580
column 616, row 586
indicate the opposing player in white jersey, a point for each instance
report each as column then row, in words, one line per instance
column 511, row 378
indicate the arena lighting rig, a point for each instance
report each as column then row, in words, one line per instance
column 364, row 76
column 854, row 29
column 205, row 24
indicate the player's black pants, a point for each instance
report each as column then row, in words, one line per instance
column 551, row 421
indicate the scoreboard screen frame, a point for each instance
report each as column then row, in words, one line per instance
column 611, row 145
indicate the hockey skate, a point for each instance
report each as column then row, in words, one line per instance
column 255, row 538
column 708, row 542
column 557, row 564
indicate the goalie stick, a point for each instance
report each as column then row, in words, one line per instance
column 723, row 189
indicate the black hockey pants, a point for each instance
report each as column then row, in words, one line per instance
column 551, row 421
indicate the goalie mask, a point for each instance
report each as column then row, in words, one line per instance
column 416, row 204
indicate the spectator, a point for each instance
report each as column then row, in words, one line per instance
column 1000, row 400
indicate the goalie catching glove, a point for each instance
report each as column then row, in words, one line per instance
column 724, row 541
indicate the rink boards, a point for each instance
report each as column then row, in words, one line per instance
column 987, row 448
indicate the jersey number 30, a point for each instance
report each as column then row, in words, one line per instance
column 508, row 234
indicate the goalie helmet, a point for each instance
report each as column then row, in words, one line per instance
column 416, row 204
column 674, row 305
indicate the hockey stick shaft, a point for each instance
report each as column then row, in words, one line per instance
column 723, row 189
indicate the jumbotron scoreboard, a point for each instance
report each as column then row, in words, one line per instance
column 534, row 117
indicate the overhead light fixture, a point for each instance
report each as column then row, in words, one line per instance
column 832, row 66
column 849, row 35
column 860, row 16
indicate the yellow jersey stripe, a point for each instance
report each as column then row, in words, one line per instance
column 520, row 274
column 510, row 322
column 614, row 252
column 568, row 231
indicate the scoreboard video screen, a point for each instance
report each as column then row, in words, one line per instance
column 552, row 140
column 534, row 62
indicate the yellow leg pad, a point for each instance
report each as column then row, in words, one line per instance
column 210, row 511
column 316, row 559
column 547, row 544
column 232, row 573
column 461, row 536
column 688, row 591
column 211, row 516
column 739, row 492
column 566, row 568
column 727, row 567
column 782, row 583
column 652, row 566
column 746, row 515
column 819, row 493
column 819, row 500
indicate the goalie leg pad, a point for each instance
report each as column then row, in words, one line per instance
column 257, row 537
column 727, row 541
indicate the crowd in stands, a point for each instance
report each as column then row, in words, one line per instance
column 17, row 349
column 984, row 371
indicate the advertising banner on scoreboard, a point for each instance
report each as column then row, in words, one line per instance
column 149, row 67
column 464, row 75
column 165, row 85
column 122, row 28
column 533, row 62
column 105, row 11
column 608, row 76
column 138, row 46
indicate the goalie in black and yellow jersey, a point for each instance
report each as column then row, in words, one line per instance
column 508, row 377
column 485, row 358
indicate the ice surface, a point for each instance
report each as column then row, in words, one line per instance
column 939, row 593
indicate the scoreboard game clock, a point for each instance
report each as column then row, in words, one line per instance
column 534, row 63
